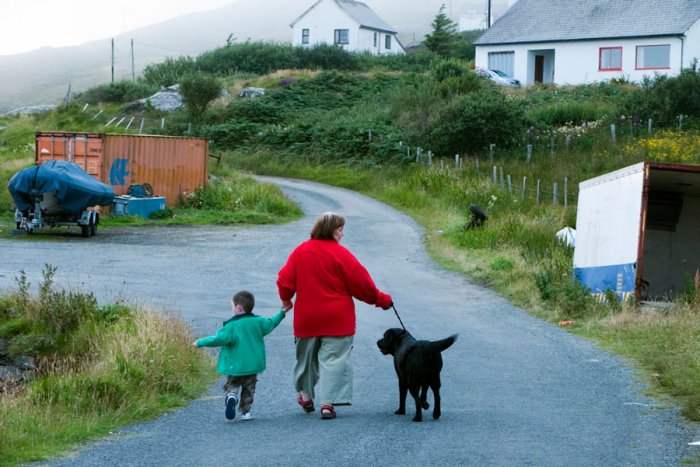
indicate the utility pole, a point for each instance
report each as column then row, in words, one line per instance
column 112, row 60
column 133, row 75
column 488, row 15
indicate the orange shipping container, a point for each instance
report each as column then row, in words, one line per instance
column 171, row 165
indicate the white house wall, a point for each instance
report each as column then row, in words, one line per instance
column 322, row 21
column 326, row 17
column 578, row 62
column 691, row 45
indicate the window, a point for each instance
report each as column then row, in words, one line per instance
column 375, row 39
column 503, row 61
column 610, row 59
column 653, row 56
column 387, row 41
column 341, row 36
column 304, row 36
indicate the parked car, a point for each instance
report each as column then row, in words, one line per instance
column 497, row 76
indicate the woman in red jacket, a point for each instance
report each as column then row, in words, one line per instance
column 325, row 277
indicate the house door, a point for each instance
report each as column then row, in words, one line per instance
column 539, row 68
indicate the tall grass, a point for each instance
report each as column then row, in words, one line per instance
column 97, row 368
column 665, row 345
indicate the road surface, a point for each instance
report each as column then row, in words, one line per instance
column 516, row 390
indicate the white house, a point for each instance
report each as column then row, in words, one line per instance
column 348, row 24
column 584, row 41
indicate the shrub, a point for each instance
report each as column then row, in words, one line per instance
column 169, row 72
column 119, row 92
column 666, row 97
column 471, row 122
column 197, row 91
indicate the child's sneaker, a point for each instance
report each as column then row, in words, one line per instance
column 231, row 401
column 246, row 416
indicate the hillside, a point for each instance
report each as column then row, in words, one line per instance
column 43, row 76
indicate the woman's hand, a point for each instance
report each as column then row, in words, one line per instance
column 287, row 305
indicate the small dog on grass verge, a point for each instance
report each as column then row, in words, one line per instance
column 418, row 365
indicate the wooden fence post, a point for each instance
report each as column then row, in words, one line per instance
column 554, row 193
column 502, row 181
column 495, row 173
column 491, row 146
column 613, row 133
column 566, row 192
column 649, row 126
column 538, row 191
column 524, row 180
column 529, row 152
column 510, row 187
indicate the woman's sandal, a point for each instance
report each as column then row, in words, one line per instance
column 308, row 405
column 327, row 412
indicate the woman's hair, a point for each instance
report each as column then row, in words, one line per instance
column 325, row 225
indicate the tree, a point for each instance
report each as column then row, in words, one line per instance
column 444, row 38
column 197, row 91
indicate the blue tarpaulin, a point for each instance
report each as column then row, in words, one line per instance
column 75, row 188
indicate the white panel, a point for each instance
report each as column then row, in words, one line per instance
column 502, row 61
column 608, row 218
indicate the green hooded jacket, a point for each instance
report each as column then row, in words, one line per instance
column 242, row 343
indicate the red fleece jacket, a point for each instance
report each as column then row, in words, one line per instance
column 325, row 277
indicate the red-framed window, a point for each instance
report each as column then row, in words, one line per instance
column 653, row 57
column 610, row 59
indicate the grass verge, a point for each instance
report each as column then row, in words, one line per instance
column 98, row 368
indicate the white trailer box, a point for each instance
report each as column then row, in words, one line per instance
column 638, row 231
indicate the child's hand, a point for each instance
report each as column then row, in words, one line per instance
column 287, row 305
column 194, row 344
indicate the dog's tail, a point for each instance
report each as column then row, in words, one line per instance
column 439, row 346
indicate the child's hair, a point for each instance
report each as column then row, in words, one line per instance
column 325, row 225
column 244, row 299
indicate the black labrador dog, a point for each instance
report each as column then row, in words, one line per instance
column 418, row 365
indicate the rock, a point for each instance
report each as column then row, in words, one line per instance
column 25, row 363
column 167, row 100
column 3, row 347
column 10, row 374
column 251, row 92
column 35, row 109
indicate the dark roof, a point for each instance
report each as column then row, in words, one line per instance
column 358, row 11
column 569, row 20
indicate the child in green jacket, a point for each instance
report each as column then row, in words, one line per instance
column 242, row 354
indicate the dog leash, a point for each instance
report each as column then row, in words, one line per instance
column 397, row 315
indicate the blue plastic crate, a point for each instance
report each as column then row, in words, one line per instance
column 125, row 205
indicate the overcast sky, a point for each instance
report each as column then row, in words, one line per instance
column 30, row 24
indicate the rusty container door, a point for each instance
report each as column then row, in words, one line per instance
column 172, row 166
column 85, row 149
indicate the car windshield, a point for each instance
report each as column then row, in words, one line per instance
column 500, row 73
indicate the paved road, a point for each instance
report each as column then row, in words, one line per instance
column 516, row 391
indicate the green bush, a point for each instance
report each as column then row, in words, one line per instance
column 197, row 91
column 664, row 98
column 119, row 92
column 169, row 72
column 471, row 122
column 327, row 57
